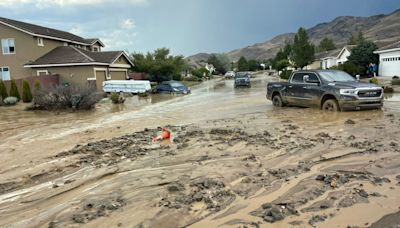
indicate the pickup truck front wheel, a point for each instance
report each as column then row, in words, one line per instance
column 331, row 105
column 277, row 101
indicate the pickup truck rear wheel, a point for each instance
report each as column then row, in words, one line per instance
column 331, row 105
column 277, row 101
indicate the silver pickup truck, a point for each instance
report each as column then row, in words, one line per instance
column 330, row 90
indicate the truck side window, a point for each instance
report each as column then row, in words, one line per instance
column 313, row 78
column 297, row 78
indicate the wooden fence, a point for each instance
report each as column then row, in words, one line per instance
column 46, row 81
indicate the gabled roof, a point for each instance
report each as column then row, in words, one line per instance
column 94, row 40
column 348, row 48
column 72, row 56
column 391, row 47
column 40, row 31
column 328, row 54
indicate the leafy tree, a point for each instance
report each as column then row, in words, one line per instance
column 253, row 65
column 243, row 64
column 14, row 90
column 287, row 51
column 160, row 65
column 26, row 92
column 200, row 72
column 3, row 90
column 352, row 40
column 326, row 44
column 360, row 37
column 363, row 54
column 302, row 50
column 221, row 62
column 282, row 64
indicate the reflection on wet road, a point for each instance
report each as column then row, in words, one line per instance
column 215, row 99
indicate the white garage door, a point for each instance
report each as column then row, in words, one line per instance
column 390, row 67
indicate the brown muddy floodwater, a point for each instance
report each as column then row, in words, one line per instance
column 234, row 161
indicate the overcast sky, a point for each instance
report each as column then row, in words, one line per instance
column 186, row 26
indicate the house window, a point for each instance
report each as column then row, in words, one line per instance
column 4, row 73
column 8, row 46
column 96, row 49
column 40, row 41
column 65, row 44
column 42, row 72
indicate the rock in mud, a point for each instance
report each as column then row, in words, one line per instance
column 316, row 219
column 219, row 131
column 275, row 212
column 350, row 121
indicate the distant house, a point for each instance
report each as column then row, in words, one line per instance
column 332, row 58
column 328, row 59
column 389, row 60
column 31, row 50
column 210, row 68
column 344, row 54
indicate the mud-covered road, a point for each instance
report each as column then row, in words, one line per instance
column 234, row 161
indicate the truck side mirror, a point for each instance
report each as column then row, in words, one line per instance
column 358, row 77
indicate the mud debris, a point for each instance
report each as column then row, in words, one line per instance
column 275, row 212
column 95, row 208
column 210, row 191
column 350, row 121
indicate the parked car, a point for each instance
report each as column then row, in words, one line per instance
column 330, row 90
column 172, row 87
column 127, row 86
column 242, row 79
column 229, row 74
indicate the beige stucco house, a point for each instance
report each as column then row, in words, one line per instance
column 31, row 50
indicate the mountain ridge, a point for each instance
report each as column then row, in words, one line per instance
column 382, row 29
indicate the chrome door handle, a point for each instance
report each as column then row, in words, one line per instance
column 290, row 86
column 305, row 87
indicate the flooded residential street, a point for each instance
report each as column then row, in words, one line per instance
column 234, row 161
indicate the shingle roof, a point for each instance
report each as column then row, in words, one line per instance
column 73, row 55
column 325, row 54
column 94, row 40
column 40, row 30
column 390, row 46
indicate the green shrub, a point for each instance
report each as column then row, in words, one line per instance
column 36, row 85
column 374, row 81
column 177, row 77
column 200, row 72
column 3, row 90
column 286, row 74
column 193, row 79
column 114, row 97
column 350, row 68
column 26, row 92
column 14, row 90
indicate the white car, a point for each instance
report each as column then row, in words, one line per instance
column 230, row 74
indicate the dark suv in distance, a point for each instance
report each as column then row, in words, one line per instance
column 242, row 79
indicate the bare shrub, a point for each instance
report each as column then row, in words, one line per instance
column 61, row 97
